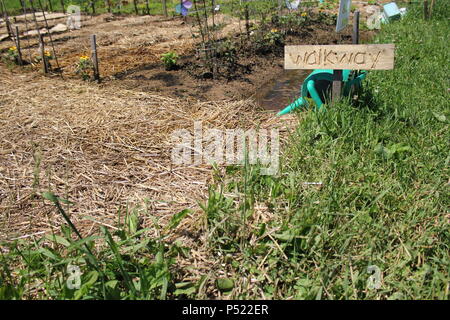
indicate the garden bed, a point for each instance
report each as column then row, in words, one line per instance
column 129, row 50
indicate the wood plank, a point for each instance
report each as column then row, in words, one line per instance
column 337, row 85
column 349, row 56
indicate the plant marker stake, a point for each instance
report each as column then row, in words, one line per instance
column 19, row 51
column 94, row 57
column 62, row 6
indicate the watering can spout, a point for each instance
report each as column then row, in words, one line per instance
column 318, row 82
column 294, row 105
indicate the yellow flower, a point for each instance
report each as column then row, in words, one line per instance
column 14, row 48
column 304, row 14
column 47, row 53
column 274, row 30
column 84, row 58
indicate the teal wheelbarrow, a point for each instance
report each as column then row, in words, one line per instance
column 318, row 85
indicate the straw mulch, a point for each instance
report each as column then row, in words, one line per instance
column 101, row 149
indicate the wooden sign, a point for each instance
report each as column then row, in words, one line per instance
column 351, row 56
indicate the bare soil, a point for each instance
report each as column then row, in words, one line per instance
column 129, row 50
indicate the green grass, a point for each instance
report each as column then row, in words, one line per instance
column 383, row 160
column 122, row 265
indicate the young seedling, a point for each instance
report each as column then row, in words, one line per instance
column 169, row 60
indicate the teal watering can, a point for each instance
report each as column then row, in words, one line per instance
column 319, row 82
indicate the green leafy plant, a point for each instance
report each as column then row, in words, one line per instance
column 84, row 67
column 169, row 60
column 12, row 53
column 123, row 264
column 47, row 56
column 274, row 37
column 11, row 56
column 292, row 22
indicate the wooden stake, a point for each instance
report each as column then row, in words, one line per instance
column 355, row 35
column 425, row 9
column 49, row 35
column 24, row 9
column 135, row 7
column 62, row 6
column 108, row 3
column 42, row 49
column 430, row 11
column 337, row 85
column 6, row 18
column 147, row 6
column 93, row 6
column 94, row 57
column 19, row 51
column 164, row 7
